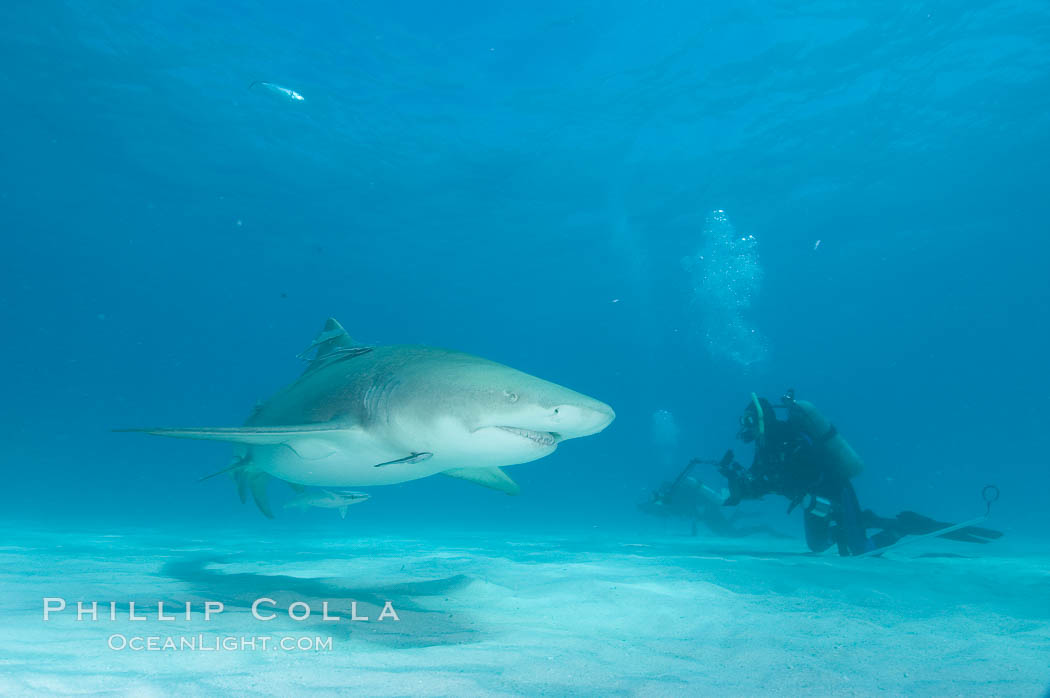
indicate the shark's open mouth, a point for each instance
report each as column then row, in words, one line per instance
column 542, row 438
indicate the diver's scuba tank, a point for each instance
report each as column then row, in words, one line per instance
column 826, row 438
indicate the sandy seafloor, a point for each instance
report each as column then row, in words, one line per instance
column 593, row 613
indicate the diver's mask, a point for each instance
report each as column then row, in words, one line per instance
column 752, row 426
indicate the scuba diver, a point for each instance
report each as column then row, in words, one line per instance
column 689, row 498
column 806, row 459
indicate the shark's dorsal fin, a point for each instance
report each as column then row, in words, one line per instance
column 333, row 341
column 493, row 478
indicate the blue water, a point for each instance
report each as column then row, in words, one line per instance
column 533, row 184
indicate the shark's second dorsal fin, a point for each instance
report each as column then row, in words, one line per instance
column 333, row 341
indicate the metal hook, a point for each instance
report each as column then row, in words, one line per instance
column 990, row 495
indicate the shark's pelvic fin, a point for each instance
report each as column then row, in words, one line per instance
column 252, row 479
column 342, row 511
column 257, row 436
column 237, row 464
column 257, row 481
column 242, row 484
column 493, row 478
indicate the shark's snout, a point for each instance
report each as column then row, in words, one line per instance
column 582, row 420
column 569, row 420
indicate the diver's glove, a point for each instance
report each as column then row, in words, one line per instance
column 726, row 466
column 735, row 494
column 736, row 477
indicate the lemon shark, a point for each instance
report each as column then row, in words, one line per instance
column 381, row 415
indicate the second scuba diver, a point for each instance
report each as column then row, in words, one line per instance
column 689, row 498
column 805, row 459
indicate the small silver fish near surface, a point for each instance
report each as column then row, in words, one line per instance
column 279, row 90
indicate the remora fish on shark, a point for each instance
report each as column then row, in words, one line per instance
column 361, row 416
column 326, row 499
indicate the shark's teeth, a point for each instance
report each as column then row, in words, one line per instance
column 543, row 438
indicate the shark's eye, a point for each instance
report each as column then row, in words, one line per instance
column 513, row 397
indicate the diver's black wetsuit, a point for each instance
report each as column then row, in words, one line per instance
column 788, row 462
column 692, row 500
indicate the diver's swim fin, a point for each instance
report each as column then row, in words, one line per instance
column 986, row 533
column 919, row 522
column 913, row 524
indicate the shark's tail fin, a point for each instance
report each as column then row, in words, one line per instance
column 247, row 476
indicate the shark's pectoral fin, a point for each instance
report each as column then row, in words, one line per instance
column 253, row 436
column 493, row 478
column 342, row 512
